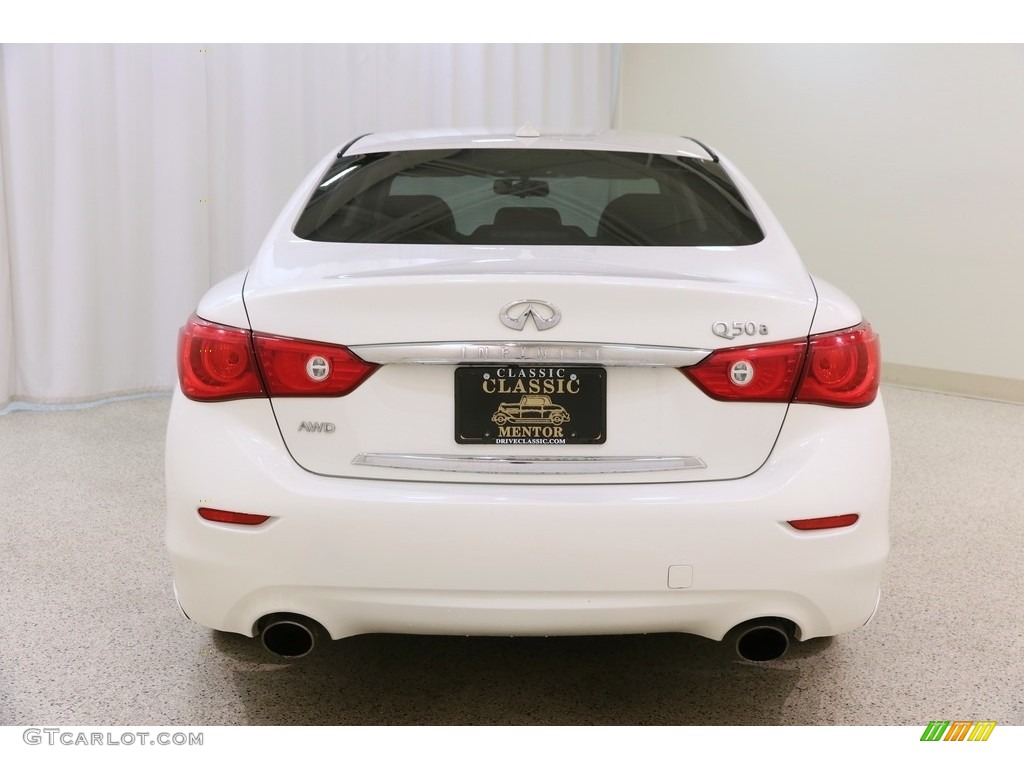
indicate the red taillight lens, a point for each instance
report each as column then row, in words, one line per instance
column 296, row 368
column 216, row 362
column 237, row 518
column 765, row 373
column 843, row 368
column 838, row 369
column 824, row 523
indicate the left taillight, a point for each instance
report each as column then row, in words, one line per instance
column 219, row 362
column 297, row 368
column 216, row 362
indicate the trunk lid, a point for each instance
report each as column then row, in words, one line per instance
column 462, row 396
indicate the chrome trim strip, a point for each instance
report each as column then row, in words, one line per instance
column 495, row 352
column 528, row 465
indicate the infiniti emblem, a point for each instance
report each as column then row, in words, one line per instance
column 515, row 314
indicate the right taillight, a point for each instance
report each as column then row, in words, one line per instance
column 839, row 369
column 765, row 373
column 842, row 368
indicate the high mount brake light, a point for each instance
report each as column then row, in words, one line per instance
column 838, row 369
column 218, row 362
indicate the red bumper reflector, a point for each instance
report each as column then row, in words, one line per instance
column 824, row 523
column 238, row 518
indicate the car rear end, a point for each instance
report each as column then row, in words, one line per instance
column 527, row 386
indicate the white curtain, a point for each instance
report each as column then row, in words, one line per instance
column 136, row 176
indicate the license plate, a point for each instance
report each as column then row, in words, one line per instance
column 523, row 405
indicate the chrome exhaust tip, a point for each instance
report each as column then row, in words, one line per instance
column 761, row 640
column 289, row 636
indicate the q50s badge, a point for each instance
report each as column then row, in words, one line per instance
column 737, row 329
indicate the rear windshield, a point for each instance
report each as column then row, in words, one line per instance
column 527, row 197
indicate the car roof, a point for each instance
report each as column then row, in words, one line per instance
column 622, row 141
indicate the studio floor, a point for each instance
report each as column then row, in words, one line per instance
column 91, row 634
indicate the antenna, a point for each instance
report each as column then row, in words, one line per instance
column 527, row 131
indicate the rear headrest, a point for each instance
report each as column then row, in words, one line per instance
column 643, row 219
column 527, row 218
column 421, row 212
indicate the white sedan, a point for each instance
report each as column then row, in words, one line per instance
column 527, row 385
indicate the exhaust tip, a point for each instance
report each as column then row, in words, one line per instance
column 761, row 640
column 289, row 636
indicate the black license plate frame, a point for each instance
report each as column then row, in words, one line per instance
column 530, row 405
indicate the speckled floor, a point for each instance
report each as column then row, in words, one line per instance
column 91, row 635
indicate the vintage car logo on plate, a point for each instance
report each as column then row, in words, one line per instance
column 515, row 314
column 531, row 409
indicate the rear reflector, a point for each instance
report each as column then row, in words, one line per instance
column 238, row 518
column 219, row 362
column 824, row 523
column 838, row 369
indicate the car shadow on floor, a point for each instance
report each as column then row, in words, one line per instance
column 664, row 679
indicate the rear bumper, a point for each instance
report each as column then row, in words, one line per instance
column 364, row 556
